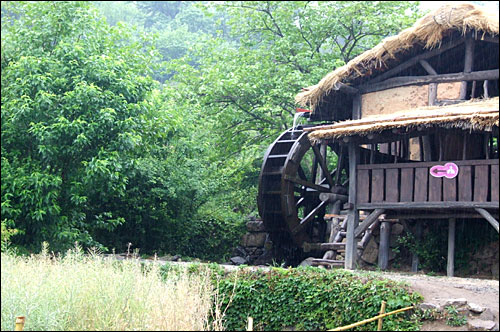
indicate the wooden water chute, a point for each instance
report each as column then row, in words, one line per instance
column 422, row 131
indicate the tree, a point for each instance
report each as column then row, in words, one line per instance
column 79, row 127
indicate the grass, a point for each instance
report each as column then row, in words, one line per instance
column 89, row 292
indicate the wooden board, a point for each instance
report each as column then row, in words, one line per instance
column 407, row 184
column 450, row 189
column 481, row 183
column 363, row 186
column 435, row 189
column 465, row 184
column 494, row 183
column 421, row 181
column 392, row 185
column 377, row 185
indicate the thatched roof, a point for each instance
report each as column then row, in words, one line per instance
column 472, row 114
column 429, row 31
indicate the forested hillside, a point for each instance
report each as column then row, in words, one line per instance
column 146, row 122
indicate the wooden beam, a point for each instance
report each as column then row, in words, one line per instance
column 468, row 63
column 414, row 256
column 463, row 215
column 450, row 266
column 428, row 205
column 428, row 68
column 383, row 249
column 356, row 107
column 395, row 82
column 429, row 164
column 353, row 216
column 372, row 217
column 322, row 163
column 345, row 88
column 332, row 198
column 413, row 61
column 486, row 215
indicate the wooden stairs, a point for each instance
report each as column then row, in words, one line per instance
column 334, row 249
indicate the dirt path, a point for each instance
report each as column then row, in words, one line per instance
column 437, row 290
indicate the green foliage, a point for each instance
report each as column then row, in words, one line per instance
column 313, row 299
column 433, row 247
column 453, row 318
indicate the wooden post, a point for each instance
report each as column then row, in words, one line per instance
column 20, row 323
column 356, row 107
column 353, row 216
column 468, row 62
column 414, row 256
column 450, row 267
column 383, row 249
column 250, row 324
column 382, row 311
column 334, row 229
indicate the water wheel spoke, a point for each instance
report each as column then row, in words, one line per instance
column 301, row 173
column 323, row 166
column 307, row 184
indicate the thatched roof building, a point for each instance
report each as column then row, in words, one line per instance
column 445, row 26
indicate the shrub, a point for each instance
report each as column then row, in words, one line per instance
column 314, row 299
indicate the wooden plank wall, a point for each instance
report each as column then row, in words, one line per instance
column 477, row 181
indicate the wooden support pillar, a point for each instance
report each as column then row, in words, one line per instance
column 418, row 237
column 450, row 266
column 353, row 216
column 486, row 215
column 383, row 249
column 468, row 63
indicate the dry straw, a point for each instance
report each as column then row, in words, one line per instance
column 473, row 114
column 429, row 31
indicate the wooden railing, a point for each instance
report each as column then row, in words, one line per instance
column 411, row 185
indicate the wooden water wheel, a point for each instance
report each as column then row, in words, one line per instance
column 293, row 175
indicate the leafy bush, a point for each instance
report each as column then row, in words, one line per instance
column 314, row 299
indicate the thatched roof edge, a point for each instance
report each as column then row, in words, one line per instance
column 473, row 115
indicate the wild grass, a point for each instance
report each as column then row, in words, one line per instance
column 80, row 292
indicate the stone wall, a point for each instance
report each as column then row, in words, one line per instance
column 255, row 245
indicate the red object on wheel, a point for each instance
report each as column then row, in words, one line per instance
column 302, row 110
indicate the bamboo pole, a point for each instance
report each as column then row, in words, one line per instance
column 250, row 324
column 20, row 323
column 382, row 311
column 347, row 327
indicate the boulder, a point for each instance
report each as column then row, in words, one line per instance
column 455, row 302
column 487, row 314
column 397, row 229
column 428, row 306
column 238, row 260
column 307, row 262
column 370, row 254
column 253, row 239
column 475, row 308
column 255, row 226
column 480, row 325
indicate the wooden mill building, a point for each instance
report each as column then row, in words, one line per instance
column 417, row 117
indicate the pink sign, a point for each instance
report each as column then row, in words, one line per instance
column 449, row 170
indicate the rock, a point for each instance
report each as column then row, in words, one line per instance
column 255, row 226
column 428, row 306
column 455, row 302
column 176, row 258
column 480, row 325
column 487, row 315
column 307, row 261
column 370, row 255
column 253, row 239
column 238, row 260
column 475, row 308
column 397, row 229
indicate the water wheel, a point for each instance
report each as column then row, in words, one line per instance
column 293, row 175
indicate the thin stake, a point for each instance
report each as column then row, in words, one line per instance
column 20, row 323
column 382, row 311
column 250, row 324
